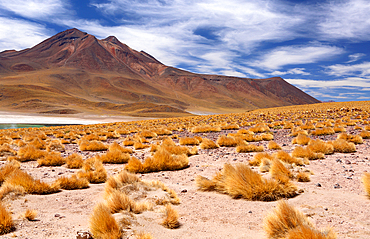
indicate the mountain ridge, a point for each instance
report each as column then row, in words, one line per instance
column 90, row 72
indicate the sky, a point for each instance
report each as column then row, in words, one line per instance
column 319, row 46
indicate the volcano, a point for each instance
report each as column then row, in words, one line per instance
column 74, row 72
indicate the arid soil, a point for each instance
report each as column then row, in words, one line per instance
column 334, row 198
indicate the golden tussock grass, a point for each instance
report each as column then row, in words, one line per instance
column 226, row 141
column 72, row 183
column 265, row 165
column 366, row 183
column 303, row 177
column 339, row 129
column 280, row 172
column 30, row 214
column 208, row 144
column 342, row 146
column 241, row 182
column 55, row 145
column 162, row 131
column 6, row 150
column 74, row 161
column 19, row 143
column 230, row 127
column 245, row 131
column 94, row 137
column 117, row 201
column 103, row 225
column 51, row 159
column 115, row 157
column 122, row 179
column 257, row 158
column 259, row 128
column 128, row 142
column 38, row 143
column 189, row 141
column 367, row 127
column 93, row 170
column 301, row 139
column 178, row 150
column 205, row 129
column 116, row 147
column 30, row 185
column 94, row 145
column 267, row 137
column 249, row 148
column 29, row 153
column 6, row 221
column 162, row 160
column 287, row 158
column 287, row 222
column 365, row 134
column 8, row 169
column 147, row 134
column 143, row 235
column 273, row 145
column 304, row 152
column 139, row 145
column 323, row 131
column 319, row 146
column 356, row 139
column 171, row 218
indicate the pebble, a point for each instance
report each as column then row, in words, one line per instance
column 184, row 190
column 336, row 186
column 318, row 184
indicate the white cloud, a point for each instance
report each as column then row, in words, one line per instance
column 347, row 19
column 348, row 82
column 35, row 9
column 294, row 55
column 295, row 71
column 362, row 69
column 355, row 57
column 19, row 34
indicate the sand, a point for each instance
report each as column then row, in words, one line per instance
column 334, row 198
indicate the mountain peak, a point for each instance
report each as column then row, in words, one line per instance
column 111, row 39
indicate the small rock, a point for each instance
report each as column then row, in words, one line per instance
column 336, row 186
column 57, row 215
column 60, row 173
column 83, row 235
column 339, row 161
column 250, row 212
column 235, row 159
column 318, row 184
column 348, row 162
column 184, row 191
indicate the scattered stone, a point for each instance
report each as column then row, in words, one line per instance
column 336, row 186
column 83, row 235
column 184, row 191
column 318, row 184
column 348, row 162
column 57, row 215
column 339, row 161
column 250, row 212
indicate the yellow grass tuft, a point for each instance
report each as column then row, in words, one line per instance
column 143, row 235
column 356, row 139
column 273, row 145
column 72, row 183
column 117, row 201
column 303, row 177
column 265, row 165
column 102, row 223
column 301, row 139
column 30, row 215
column 267, row 137
column 208, row 144
column 230, row 127
column 189, row 141
column 93, row 170
column 139, row 145
column 241, row 182
column 366, row 183
column 319, row 146
column 29, row 153
column 74, row 161
column 305, row 152
column 287, row 158
column 8, row 169
column 365, row 134
column 205, row 129
column 171, row 218
column 280, row 172
column 55, row 145
column 249, row 148
column 259, row 128
column 116, row 147
column 51, row 159
column 94, row 145
column 6, row 221
column 257, row 159
column 287, row 222
column 148, row 134
column 115, row 156
column 323, row 131
column 226, row 141
column 342, row 146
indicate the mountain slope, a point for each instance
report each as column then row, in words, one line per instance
column 75, row 72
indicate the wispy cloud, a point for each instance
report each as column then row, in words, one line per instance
column 355, row 57
column 35, row 9
column 295, row 55
column 294, row 71
column 348, row 82
column 362, row 69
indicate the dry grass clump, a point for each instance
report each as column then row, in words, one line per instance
column 267, row 137
column 30, row 215
column 297, row 131
column 323, row 131
column 117, row 201
column 139, row 145
column 94, row 137
column 230, row 127
column 273, row 145
column 339, row 129
column 245, row 131
column 171, row 218
column 226, row 141
column 94, row 145
column 303, row 177
column 6, row 221
column 205, row 129
column 29, row 153
column 72, row 183
column 319, row 146
column 305, row 152
column 301, row 139
column 38, row 143
column 148, row 134
column 103, row 225
column 128, row 142
column 115, row 156
column 287, row 222
column 259, row 128
column 189, row 141
column 366, row 183
column 257, row 159
column 342, row 146
column 93, row 170
column 208, row 144
column 55, row 145
column 74, row 161
column 279, row 172
column 116, row 147
column 287, row 158
column 143, row 235
column 162, row 160
column 365, row 134
column 356, row 139
column 8, row 169
column 6, row 150
column 249, row 148
column 51, row 159
column 241, row 182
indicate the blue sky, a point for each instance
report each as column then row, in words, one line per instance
column 322, row 47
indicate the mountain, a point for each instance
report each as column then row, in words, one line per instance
column 75, row 72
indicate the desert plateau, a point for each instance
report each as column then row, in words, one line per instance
column 211, row 176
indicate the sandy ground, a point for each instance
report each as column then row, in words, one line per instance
column 334, row 198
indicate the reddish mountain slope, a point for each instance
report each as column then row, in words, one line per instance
column 75, row 72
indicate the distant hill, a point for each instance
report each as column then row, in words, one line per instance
column 75, row 72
